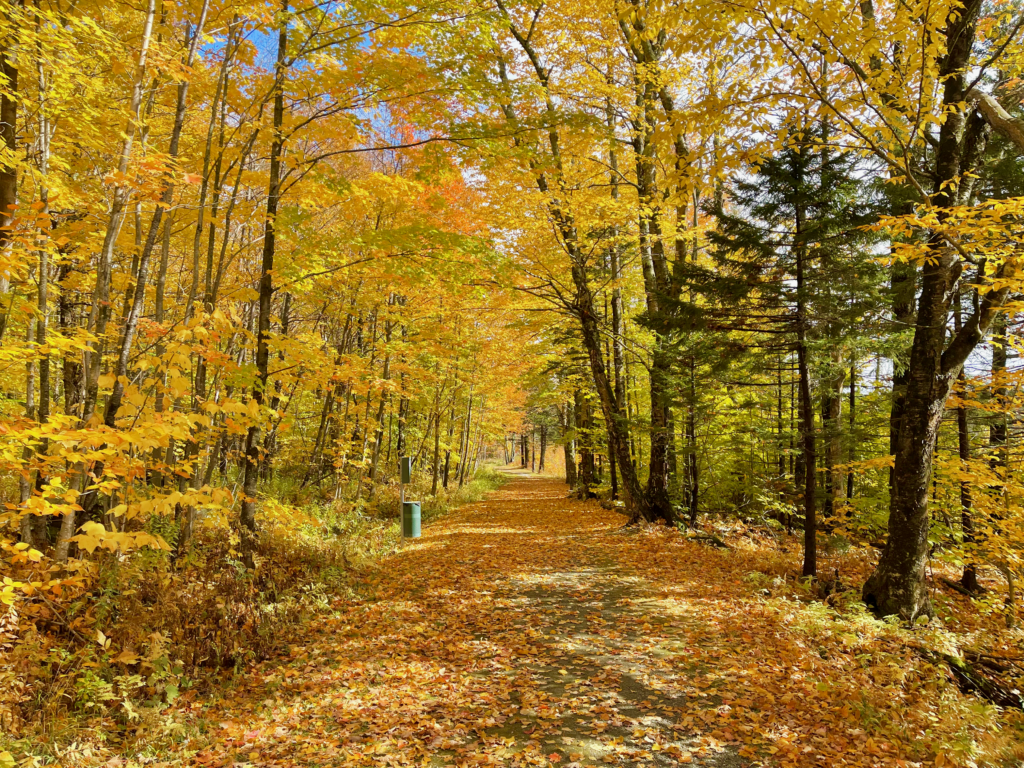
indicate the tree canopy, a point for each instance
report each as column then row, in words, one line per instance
column 754, row 261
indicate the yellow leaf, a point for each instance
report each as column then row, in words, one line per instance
column 88, row 543
column 126, row 657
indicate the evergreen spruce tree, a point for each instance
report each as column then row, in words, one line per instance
column 791, row 250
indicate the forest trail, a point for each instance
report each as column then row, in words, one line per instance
column 529, row 629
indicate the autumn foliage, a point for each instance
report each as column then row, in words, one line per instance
column 745, row 273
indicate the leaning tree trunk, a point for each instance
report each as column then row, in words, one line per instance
column 582, row 302
column 617, row 424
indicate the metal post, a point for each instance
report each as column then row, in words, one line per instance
column 404, row 476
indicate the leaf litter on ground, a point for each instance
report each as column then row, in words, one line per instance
column 531, row 629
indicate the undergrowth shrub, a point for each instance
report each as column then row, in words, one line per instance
column 137, row 629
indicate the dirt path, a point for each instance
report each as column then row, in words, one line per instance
column 516, row 631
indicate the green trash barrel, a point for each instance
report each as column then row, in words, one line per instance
column 411, row 519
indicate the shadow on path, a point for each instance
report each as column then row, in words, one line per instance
column 514, row 632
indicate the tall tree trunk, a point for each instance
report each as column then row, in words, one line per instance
column 810, row 567
column 480, row 452
column 780, row 426
column 160, row 457
column 657, row 492
column 270, row 439
column 99, row 314
column 617, row 340
column 659, row 288
column 43, row 287
column 658, row 477
column 247, row 516
column 969, row 578
column 610, row 438
column 72, row 379
column 898, row 586
column 71, row 368
column 831, row 422
column 903, row 284
column 796, row 461
column 403, row 401
column 617, row 423
column 1000, row 392
column 464, row 452
column 585, row 480
column 315, row 455
column 448, row 445
column 582, row 303
column 567, row 421
column 385, row 396
column 435, row 465
column 138, row 295
column 142, row 275
column 692, row 466
column 363, row 436
column 853, row 425
column 692, row 489
column 9, row 138
column 29, row 524
column 191, row 466
column 543, row 446
column 100, row 310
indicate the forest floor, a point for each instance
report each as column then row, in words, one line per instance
column 530, row 629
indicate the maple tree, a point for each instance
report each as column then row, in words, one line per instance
column 744, row 270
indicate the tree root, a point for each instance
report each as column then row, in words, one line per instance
column 958, row 587
column 972, row 680
column 708, row 538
